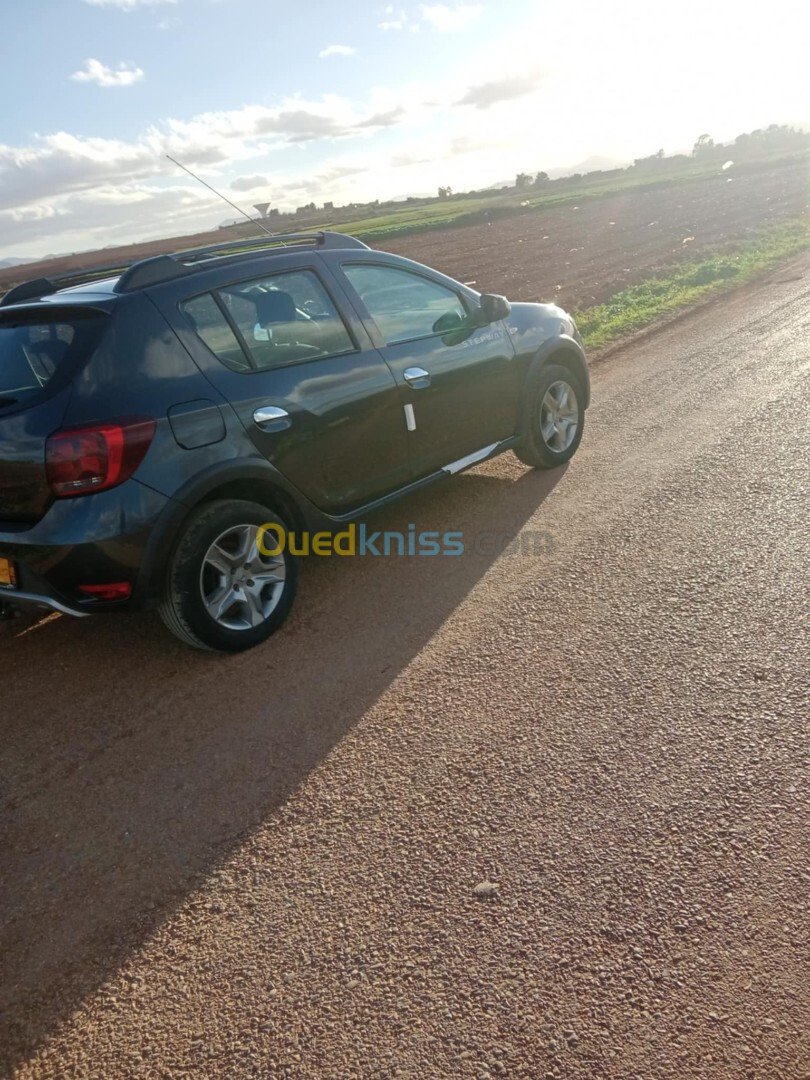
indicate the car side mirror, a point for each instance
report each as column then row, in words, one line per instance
column 493, row 308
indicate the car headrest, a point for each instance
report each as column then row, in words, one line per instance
column 274, row 306
column 49, row 355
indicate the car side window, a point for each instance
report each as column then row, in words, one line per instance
column 285, row 319
column 282, row 319
column 402, row 304
column 205, row 316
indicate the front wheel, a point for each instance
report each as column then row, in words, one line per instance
column 555, row 420
column 223, row 591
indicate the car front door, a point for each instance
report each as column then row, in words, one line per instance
column 458, row 382
column 314, row 395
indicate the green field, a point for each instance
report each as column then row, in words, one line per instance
column 637, row 307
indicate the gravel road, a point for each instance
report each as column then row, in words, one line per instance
column 269, row 865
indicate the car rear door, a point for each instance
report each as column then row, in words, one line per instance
column 459, row 383
column 314, row 395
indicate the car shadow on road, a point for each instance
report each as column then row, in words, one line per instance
column 133, row 766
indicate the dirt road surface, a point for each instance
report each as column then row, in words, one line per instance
column 266, row 865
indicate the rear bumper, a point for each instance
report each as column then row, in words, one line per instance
column 26, row 599
column 94, row 540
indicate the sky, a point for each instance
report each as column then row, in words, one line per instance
column 292, row 102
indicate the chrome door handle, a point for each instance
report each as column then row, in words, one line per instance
column 271, row 418
column 416, row 377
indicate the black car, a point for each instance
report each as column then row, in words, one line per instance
column 169, row 431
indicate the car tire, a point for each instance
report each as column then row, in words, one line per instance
column 554, row 421
column 222, row 592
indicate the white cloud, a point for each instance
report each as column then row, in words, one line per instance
column 50, row 185
column 110, row 215
column 295, row 120
column 337, row 50
column 445, row 17
column 439, row 150
column 61, row 163
column 395, row 19
column 437, row 16
column 249, row 183
column 127, row 5
column 96, row 72
column 486, row 94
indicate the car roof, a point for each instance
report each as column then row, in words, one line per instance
column 89, row 290
column 108, row 282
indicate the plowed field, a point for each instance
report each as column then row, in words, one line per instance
column 580, row 256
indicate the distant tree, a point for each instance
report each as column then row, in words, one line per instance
column 766, row 140
column 703, row 147
column 654, row 161
column 445, row 192
column 329, row 206
column 541, row 178
column 522, row 180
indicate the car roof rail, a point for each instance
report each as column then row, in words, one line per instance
column 37, row 288
column 160, row 268
column 323, row 238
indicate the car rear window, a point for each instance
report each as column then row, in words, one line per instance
column 35, row 346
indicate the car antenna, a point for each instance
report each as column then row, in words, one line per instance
column 253, row 221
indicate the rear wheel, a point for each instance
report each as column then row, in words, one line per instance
column 555, row 420
column 223, row 592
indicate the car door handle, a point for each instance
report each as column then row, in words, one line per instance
column 271, row 418
column 416, row 377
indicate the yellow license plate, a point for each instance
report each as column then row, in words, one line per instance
column 7, row 577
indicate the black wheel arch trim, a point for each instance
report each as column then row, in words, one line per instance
column 552, row 348
column 239, row 473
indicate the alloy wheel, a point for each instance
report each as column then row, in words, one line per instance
column 559, row 416
column 240, row 584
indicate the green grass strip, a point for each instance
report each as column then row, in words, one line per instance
column 638, row 306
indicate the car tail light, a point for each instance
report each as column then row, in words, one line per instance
column 97, row 456
column 119, row 590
